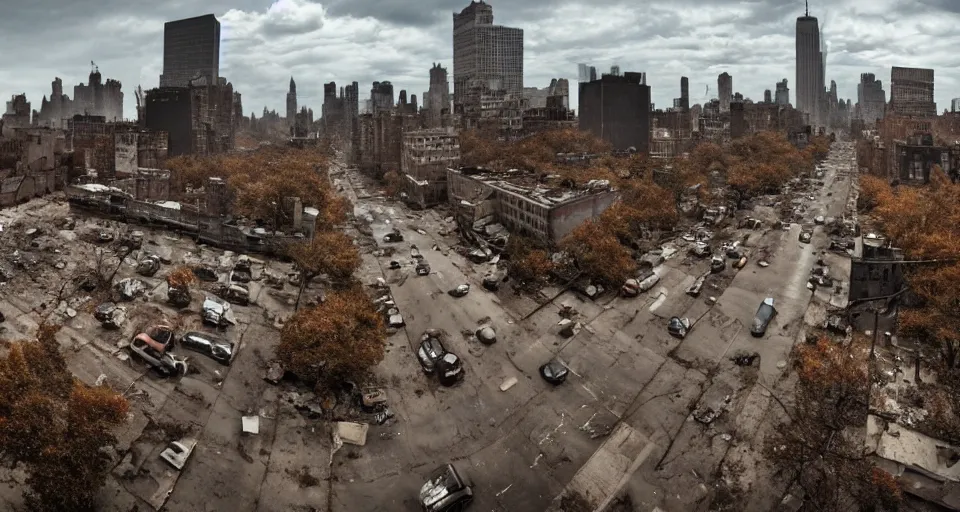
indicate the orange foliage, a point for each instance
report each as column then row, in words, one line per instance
column 535, row 153
column 55, row 425
column 181, row 277
column 260, row 180
column 530, row 266
column 329, row 252
column 599, row 254
column 338, row 340
column 873, row 192
column 763, row 161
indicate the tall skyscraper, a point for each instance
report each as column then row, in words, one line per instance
column 485, row 55
column 725, row 91
column 684, row 93
column 810, row 68
column 911, row 92
column 955, row 105
column 615, row 70
column 617, row 110
column 292, row 103
column 191, row 49
column 593, row 73
column 767, row 96
column 783, row 93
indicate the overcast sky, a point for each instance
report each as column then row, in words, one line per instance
column 264, row 43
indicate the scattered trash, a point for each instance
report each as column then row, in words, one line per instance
column 178, row 452
column 274, row 373
column 250, row 424
column 507, row 384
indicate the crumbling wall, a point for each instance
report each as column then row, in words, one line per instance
column 565, row 218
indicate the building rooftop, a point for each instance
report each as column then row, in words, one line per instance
column 546, row 190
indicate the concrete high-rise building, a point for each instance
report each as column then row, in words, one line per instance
column 911, row 92
column 381, row 95
column 615, row 70
column 485, row 55
column 810, row 68
column 684, row 93
column 437, row 99
column 725, row 91
column 617, row 110
column 955, row 105
column 593, row 73
column 191, row 49
column 783, row 93
column 767, row 96
column 292, row 103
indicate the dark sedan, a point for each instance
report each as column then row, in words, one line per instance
column 430, row 352
column 208, row 345
column 554, row 372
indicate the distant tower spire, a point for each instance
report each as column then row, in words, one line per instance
column 806, row 4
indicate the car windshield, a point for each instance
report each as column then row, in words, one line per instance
column 763, row 314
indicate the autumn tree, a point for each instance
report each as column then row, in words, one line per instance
column 178, row 286
column 341, row 339
column 56, row 426
column 763, row 162
column 599, row 253
column 329, row 253
column 529, row 263
column 818, row 449
column 873, row 192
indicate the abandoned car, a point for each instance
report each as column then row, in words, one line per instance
column 765, row 313
column 430, row 352
column 554, row 372
column 445, row 491
column 153, row 348
column 217, row 349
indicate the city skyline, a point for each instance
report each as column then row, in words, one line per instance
column 264, row 44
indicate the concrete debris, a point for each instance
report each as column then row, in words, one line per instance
column 130, row 288
column 274, row 373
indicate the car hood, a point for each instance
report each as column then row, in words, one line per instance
column 433, row 491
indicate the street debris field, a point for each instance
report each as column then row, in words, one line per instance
column 660, row 391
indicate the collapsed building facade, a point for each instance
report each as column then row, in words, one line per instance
column 203, row 219
column 519, row 202
column 33, row 162
column 115, row 150
column 907, row 148
column 340, row 114
column 427, row 154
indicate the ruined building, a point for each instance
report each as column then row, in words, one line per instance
column 292, row 103
column 725, row 91
column 767, row 96
column 436, row 100
column 340, row 113
column 617, row 110
column 303, row 123
column 379, row 137
column 552, row 112
column 199, row 119
column 427, row 154
column 782, row 96
column 911, row 92
column 96, row 98
column 381, row 96
column 407, row 107
column 487, row 60
column 191, row 51
column 537, row 98
column 16, row 116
